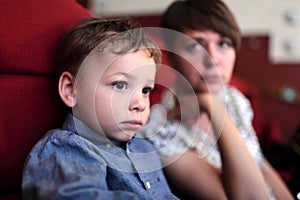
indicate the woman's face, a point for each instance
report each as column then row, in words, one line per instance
column 209, row 70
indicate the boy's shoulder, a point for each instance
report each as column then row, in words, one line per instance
column 56, row 140
column 60, row 147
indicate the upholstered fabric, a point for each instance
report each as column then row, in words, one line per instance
column 29, row 103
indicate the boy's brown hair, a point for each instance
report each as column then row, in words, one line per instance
column 92, row 32
column 201, row 15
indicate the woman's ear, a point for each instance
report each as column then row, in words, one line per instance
column 66, row 88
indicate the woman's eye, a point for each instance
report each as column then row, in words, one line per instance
column 194, row 47
column 146, row 90
column 225, row 44
column 120, row 85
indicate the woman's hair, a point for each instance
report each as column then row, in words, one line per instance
column 120, row 35
column 202, row 15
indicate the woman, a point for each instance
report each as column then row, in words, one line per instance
column 196, row 167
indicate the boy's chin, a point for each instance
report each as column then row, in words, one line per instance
column 123, row 136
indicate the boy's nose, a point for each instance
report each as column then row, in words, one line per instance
column 138, row 102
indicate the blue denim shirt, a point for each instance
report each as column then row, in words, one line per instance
column 77, row 163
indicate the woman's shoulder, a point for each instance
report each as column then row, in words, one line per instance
column 236, row 93
column 237, row 98
column 238, row 106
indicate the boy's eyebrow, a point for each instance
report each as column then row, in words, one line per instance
column 129, row 76
column 120, row 74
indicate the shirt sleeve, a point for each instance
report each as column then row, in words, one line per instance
column 242, row 114
column 61, row 167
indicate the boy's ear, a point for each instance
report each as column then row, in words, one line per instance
column 66, row 88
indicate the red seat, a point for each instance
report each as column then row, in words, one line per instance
column 29, row 33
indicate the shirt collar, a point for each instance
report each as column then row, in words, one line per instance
column 80, row 128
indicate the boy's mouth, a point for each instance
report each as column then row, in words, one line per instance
column 133, row 124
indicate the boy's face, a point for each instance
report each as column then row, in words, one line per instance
column 210, row 57
column 115, row 99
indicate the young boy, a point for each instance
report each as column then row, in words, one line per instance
column 107, row 71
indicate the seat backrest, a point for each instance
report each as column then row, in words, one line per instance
column 29, row 103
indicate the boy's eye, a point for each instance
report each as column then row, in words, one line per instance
column 146, row 90
column 120, row 85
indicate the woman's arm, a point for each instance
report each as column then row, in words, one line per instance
column 277, row 185
column 194, row 178
column 240, row 174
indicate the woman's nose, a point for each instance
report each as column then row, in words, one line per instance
column 138, row 102
column 208, row 61
column 213, row 56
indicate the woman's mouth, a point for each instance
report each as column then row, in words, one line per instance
column 212, row 78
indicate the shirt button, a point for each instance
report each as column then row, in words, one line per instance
column 148, row 185
column 108, row 145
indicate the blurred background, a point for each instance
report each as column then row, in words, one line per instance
column 268, row 61
column 270, row 55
